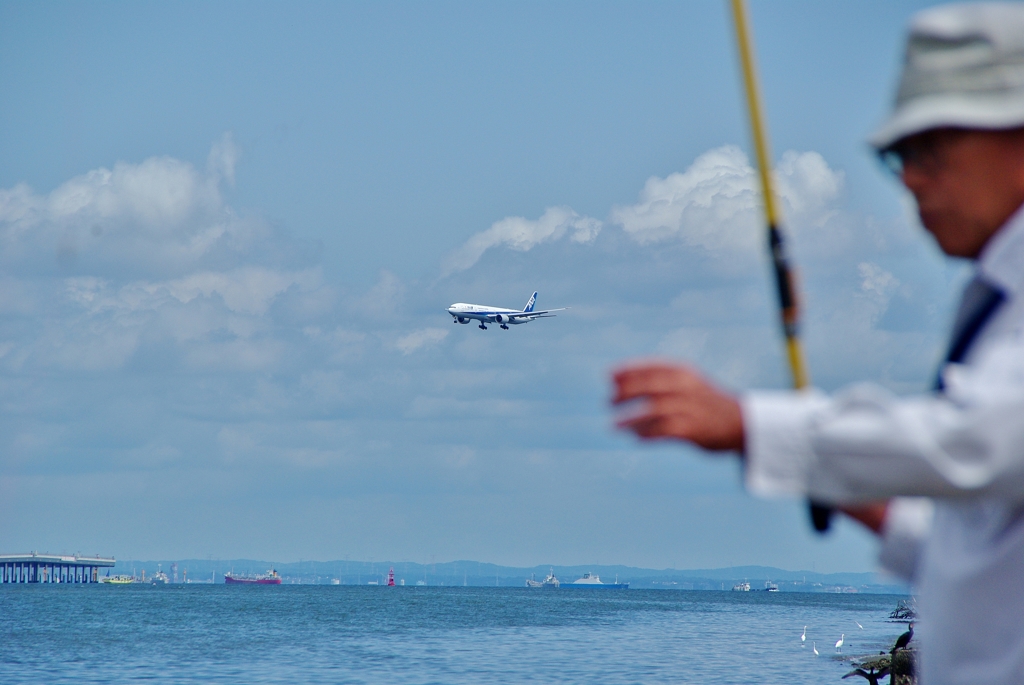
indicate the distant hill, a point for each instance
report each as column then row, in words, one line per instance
column 476, row 573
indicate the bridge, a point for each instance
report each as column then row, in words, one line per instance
column 51, row 568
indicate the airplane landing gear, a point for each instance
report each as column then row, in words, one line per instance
column 504, row 326
column 483, row 327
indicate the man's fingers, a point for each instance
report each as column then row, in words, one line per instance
column 653, row 379
column 647, row 426
column 661, row 417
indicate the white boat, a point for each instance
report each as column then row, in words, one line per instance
column 590, row 580
column 741, row 587
column 159, row 578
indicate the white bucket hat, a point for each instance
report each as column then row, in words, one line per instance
column 964, row 67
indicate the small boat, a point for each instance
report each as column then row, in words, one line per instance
column 118, row 580
column 549, row 582
column 741, row 587
column 269, row 578
column 769, row 586
column 590, row 581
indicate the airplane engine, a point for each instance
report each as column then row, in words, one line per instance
column 502, row 318
column 463, row 319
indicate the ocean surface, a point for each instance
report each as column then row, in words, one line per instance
column 367, row 634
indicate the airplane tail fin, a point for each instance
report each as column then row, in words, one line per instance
column 530, row 305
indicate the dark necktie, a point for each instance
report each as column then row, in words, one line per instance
column 980, row 300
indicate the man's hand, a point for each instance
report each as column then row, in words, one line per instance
column 678, row 403
column 870, row 514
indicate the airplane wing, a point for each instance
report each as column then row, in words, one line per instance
column 534, row 315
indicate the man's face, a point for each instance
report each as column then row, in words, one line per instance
column 967, row 183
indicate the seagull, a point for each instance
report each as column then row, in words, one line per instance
column 839, row 643
column 814, row 647
column 803, row 637
column 859, row 625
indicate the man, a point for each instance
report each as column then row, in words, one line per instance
column 956, row 139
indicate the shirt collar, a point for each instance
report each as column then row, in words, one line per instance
column 1002, row 259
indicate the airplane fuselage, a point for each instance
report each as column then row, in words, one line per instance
column 463, row 312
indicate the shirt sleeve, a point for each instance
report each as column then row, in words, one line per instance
column 908, row 521
column 866, row 443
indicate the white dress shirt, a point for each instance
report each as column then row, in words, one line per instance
column 964, row 450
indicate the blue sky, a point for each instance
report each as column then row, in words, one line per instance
column 230, row 231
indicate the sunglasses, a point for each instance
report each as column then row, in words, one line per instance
column 927, row 152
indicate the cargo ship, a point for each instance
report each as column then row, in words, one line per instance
column 268, row 578
column 592, row 582
column 549, row 582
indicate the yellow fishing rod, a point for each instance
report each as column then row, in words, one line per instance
column 788, row 302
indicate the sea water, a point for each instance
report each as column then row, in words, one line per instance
column 359, row 634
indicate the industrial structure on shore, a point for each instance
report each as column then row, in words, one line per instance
column 51, row 568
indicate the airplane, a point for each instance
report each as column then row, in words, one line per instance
column 464, row 313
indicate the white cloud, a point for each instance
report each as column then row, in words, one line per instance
column 877, row 286
column 245, row 290
column 159, row 262
column 522, row 234
column 876, row 281
column 222, row 159
column 238, row 354
column 160, row 213
column 714, row 204
column 248, row 290
column 384, row 298
column 421, row 338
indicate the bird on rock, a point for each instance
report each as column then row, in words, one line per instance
column 903, row 640
column 872, row 676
